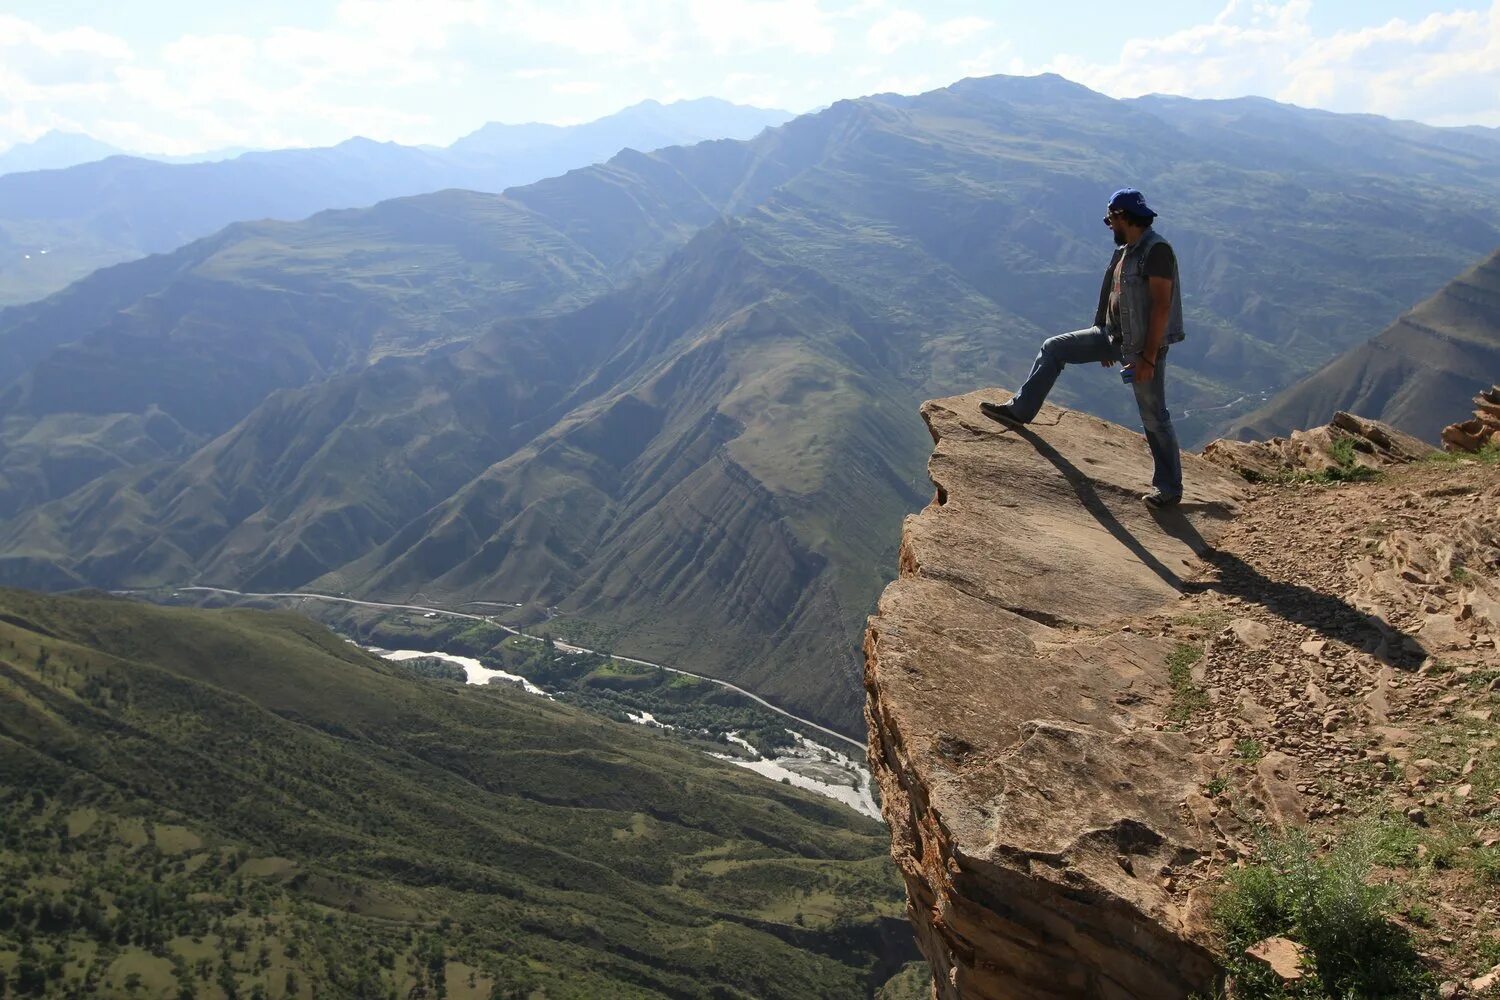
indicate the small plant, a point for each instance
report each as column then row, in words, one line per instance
column 1419, row 913
column 1342, row 451
column 1249, row 749
column 1489, row 950
column 1187, row 697
column 1461, row 575
column 1394, row 841
column 1485, row 862
column 1346, row 468
column 1328, row 905
column 1217, row 785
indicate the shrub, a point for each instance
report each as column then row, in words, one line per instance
column 1328, row 905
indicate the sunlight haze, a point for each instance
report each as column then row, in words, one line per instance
column 177, row 78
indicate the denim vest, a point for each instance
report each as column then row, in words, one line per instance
column 1135, row 299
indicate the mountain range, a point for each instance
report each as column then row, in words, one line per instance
column 1415, row 375
column 58, row 225
column 672, row 397
column 241, row 803
column 58, row 150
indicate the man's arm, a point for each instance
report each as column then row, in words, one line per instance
column 1161, row 311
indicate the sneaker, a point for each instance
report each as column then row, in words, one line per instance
column 1158, row 499
column 1001, row 412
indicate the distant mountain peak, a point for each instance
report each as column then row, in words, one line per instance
column 54, row 150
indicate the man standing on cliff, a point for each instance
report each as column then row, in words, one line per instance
column 1139, row 314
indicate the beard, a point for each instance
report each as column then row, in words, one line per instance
column 1119, row 237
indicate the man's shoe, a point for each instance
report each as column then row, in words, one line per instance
column 1001, row 412
column 1158, row 499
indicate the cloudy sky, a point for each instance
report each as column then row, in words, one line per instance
column 178, row 76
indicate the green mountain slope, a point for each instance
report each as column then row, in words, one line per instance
column 707, row 461
column 58, row 225
column 209, row 797
column 1418, row 374
column 201, row 336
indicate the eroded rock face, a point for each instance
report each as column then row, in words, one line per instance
column 1037, row 808
column 1480, row 430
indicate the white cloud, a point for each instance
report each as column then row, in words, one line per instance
column 800, row 26
column 1443, row 69
column 898, row 28
column 429, row 70
column 958, row 30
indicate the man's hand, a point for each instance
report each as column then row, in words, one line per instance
column 1108, row 362
column 1144, row 370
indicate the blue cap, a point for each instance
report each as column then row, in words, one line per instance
column 1132, row 201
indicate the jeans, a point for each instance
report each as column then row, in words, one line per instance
column 1084, row 346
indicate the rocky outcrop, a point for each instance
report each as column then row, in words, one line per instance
column 1482, row 429
column 1371, row 445
column 1040, row 810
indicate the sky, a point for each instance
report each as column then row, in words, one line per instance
column 181, row 76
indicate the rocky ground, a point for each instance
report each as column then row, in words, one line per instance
column 1337, row 665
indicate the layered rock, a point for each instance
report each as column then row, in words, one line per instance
column 1038, row 807
column 1480, row 430
column 1371, row 445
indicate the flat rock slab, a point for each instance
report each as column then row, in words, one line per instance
column 1033, row 803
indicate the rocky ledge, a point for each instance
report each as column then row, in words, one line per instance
column 1038, row 810
column 1083, row 713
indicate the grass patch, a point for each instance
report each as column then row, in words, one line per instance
column 1249, row 750
column 1187, row 698
column 1329, row 906
column 1212, row 621
column 1488, row 455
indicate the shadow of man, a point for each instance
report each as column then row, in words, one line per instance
column 1330, row 616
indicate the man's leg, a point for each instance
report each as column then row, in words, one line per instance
column 1076, row 348
column 1151, row 400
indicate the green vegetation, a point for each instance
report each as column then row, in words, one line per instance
column 434, row 668
column 1331, row 905
column 1187, row 697
column 242, row 804
column 597, row 682
column 914, row 982
column 1209, row 621
column 1488, row 455
column 1248, row 749
column 1346, row 469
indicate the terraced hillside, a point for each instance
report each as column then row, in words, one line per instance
column 1413, row 375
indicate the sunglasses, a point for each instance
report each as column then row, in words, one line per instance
column 1109, row 218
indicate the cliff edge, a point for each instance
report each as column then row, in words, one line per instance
column 1038, row 807
column 1089, row 719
